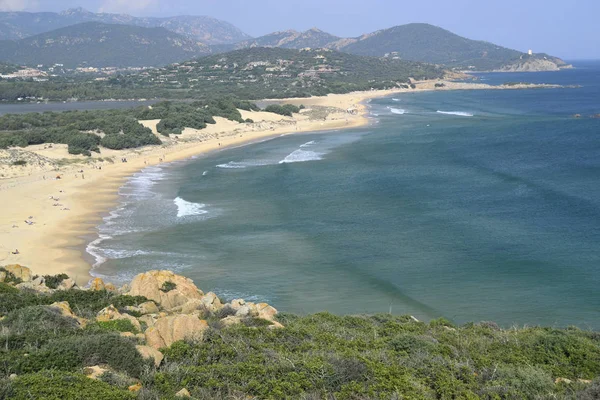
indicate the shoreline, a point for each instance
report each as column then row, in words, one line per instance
column 67, row 212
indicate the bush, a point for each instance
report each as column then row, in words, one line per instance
column 10, row 277
column 52, row 281
column 55, row 385
column 74, row 352
column 117, row 325
column 168, row 286
column 19, row 163
column 286, row 109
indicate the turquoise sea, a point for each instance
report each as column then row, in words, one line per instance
column 472, row 205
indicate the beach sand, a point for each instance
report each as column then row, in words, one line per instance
column 63, row 213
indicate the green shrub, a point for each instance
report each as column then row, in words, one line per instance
column 116, row 325
column 71, row 353
column 34, row 326
column 55, row 385
column 52, row 281
column 19, row 163
column 10, row 277
column 286, row 109
column 4, row 288
column 168, row 286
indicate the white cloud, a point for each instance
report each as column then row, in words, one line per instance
column 17, row 5
column 126, row 6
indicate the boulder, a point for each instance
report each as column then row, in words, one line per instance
column 149, row 352
column 110, row 287
column 135, row 388
column 243, row 312
column 127, row 335
column 231, row 320
column 39, row 281
column 183, row 393
column 148, row 307
column 562, row 380
column 275, row 325
column 149, row 285
column 148, row 319
column 2, row 276
column 97, row 284
column 67, row 284
column 211, row 302
column 170, row 329
column 33, row 287
column 20, row 272
column 237, row 303
column 94, row 372
column 110, row 313
column 64, row 309
column 266, row 311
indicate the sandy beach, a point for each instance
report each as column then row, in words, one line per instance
column 50, row 220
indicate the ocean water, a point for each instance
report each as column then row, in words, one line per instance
column 472, row 205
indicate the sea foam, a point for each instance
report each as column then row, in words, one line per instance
column 459, row 113
column 301, row 156
column 186, row 208
column 397, row 110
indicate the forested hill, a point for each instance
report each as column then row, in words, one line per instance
column 428, row 43
column 19, row 25
column 255, row 73
column 102, row 45
column 259, row 73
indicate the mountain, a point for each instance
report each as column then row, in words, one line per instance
column 414, row 42
column 313, row 38
column 19, row 25
column 432, row 44
column 102, row 45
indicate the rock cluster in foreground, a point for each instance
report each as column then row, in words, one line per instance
column 176, row 309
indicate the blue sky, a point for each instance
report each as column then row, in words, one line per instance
column 567, row 29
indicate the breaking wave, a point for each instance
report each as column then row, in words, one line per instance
column 301, row 156
column 397, row 110
column 459, row 113
column 185, row 208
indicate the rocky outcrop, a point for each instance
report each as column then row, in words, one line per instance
column 165, row 288
column 67, row 284
column 183, row 393
column 110, row 313
column 152, row 353
column 168, row 330
column 20, row 272
column 97, row 284
column 535, row 65
column 64, row 309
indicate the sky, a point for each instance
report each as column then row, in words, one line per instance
column 567, row 29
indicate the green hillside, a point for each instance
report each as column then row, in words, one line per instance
column 431, row 44
column 102, row 45
column 255, row 73
column 53, row 333
column 260, row 72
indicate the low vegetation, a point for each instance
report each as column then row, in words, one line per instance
column 87, row 131
column 319, row 356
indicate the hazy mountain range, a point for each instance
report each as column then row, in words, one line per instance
column 19, row 25
column 123, row 40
